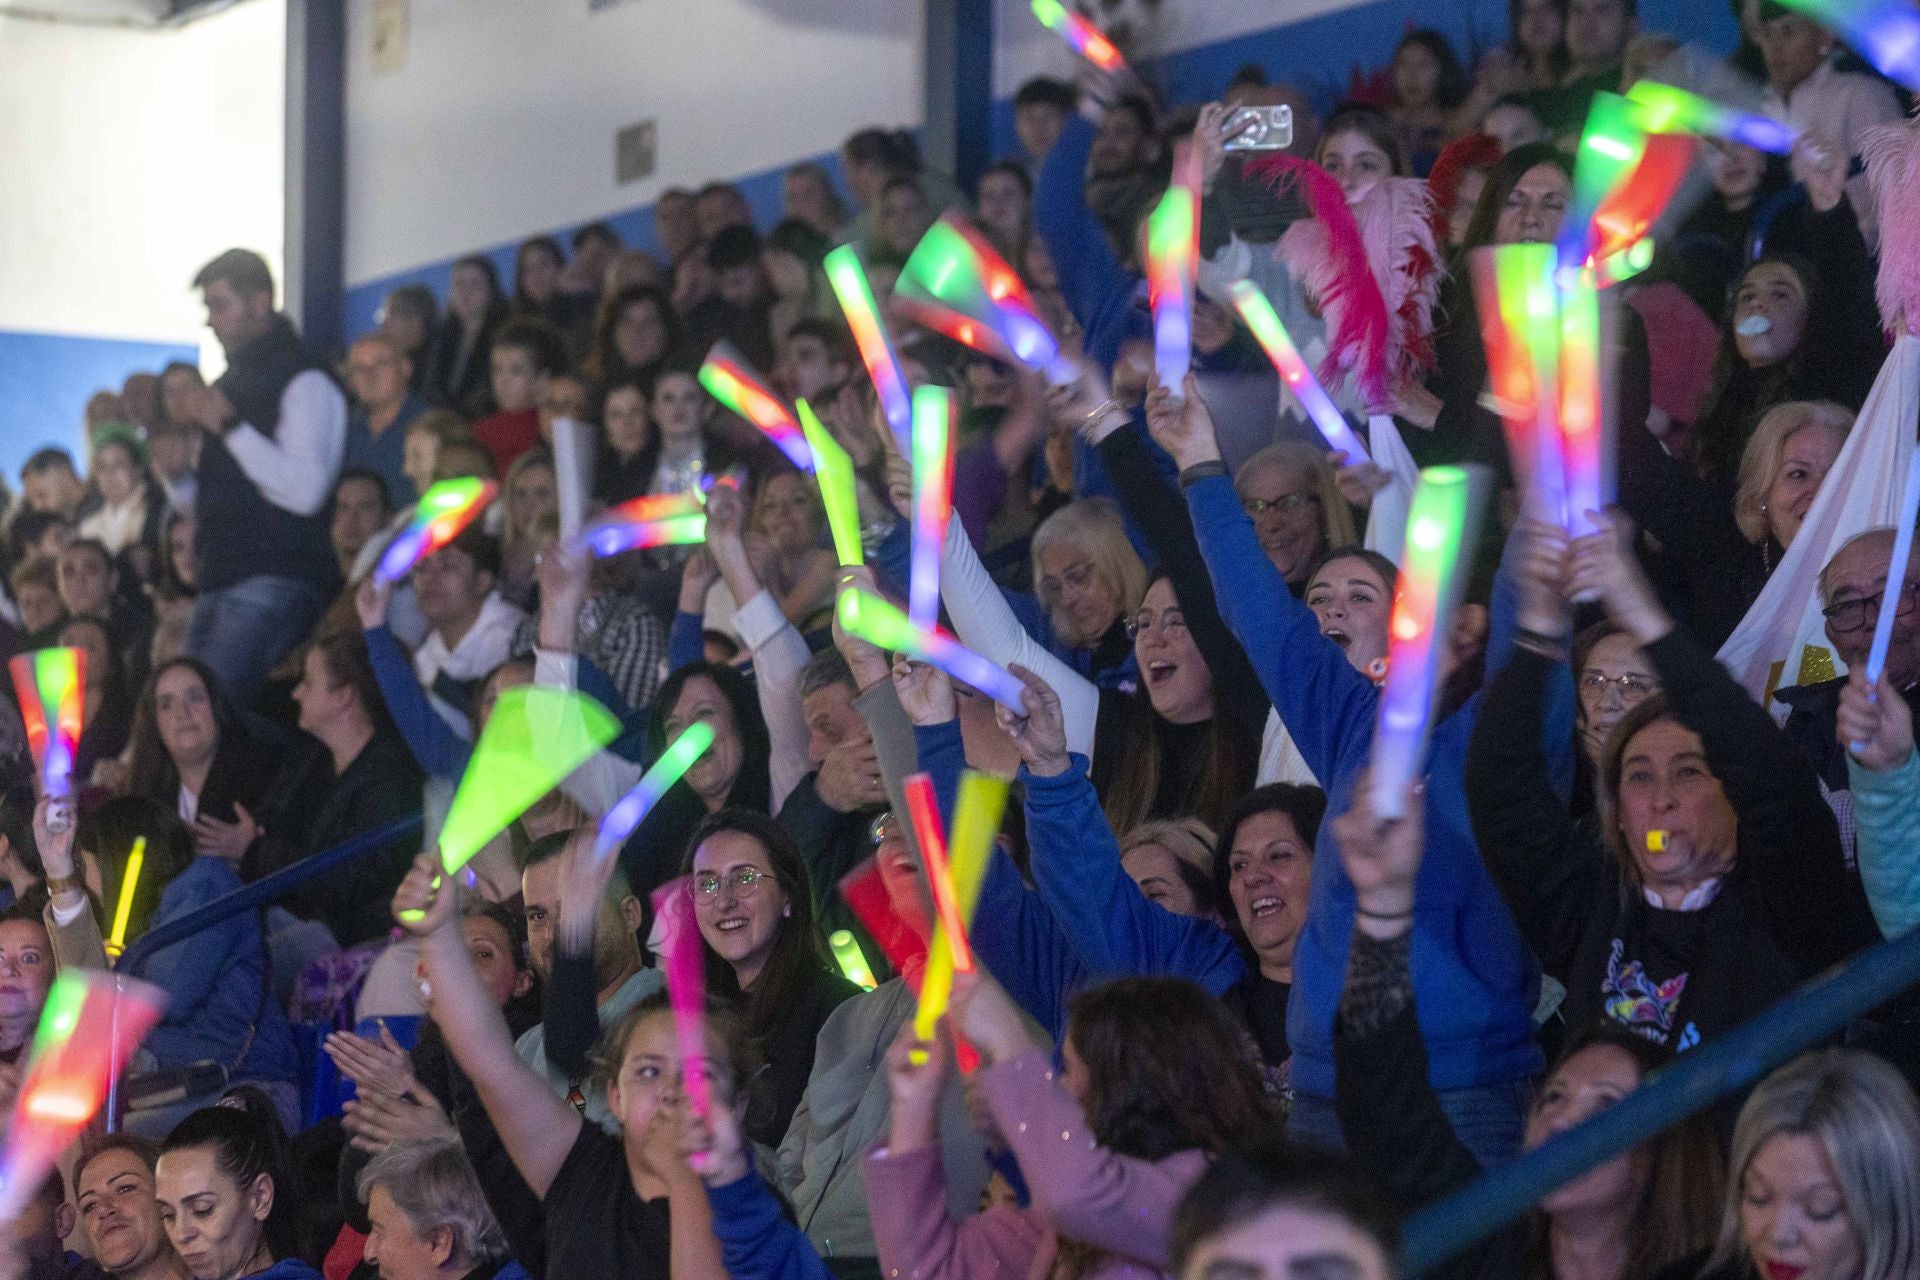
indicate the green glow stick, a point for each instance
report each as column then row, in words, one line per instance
column 833, row 472
column 853, row 963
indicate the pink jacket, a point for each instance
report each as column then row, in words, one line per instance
column 1081, row 1191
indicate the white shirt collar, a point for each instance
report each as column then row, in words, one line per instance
column 1698, row 898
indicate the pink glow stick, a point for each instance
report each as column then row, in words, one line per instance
column 682, row 955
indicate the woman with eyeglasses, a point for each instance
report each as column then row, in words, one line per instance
column 1718, row 883
column 765, row 954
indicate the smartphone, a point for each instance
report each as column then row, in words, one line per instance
column 1260, row 129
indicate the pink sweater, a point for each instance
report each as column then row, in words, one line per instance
column 1081, row 1192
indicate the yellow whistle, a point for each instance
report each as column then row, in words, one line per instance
column 1656, row 841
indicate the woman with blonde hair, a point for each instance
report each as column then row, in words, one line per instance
column 1089, row 580
column 1789, row 454
column 1171, row 859
column 1825, row 1176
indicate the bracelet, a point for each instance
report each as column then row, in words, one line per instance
column 62, row 884
column 1200, row 471
column 1540, row 642
column 1365, row 914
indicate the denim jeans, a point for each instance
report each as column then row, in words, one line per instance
column 1489, row 1119
column 243, row 631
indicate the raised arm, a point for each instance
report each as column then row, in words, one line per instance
column 440, row 751
column 1885, row 773
column 537, row 1127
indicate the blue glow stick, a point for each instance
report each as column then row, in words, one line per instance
column 1896, row 575
column 627, row 813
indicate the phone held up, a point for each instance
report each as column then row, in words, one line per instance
column 1259, row 129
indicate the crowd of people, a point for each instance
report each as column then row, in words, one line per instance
column 1227, row 1020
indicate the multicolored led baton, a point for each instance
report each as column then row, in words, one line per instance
column 656, row 520
column 932, row 501
column 1441, row 529
column 1173, row 252
column 1885, row 32
column 1264, row 322
column 1666, row 108
column 729, row 379
column 444, row 510
column 956, row 284
column 878, row 623
column 1513, row 290
column 1086, row 39
column 632, row 808
column 51, row 688
column 850, row 286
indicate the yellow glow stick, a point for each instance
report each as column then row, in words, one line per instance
column 123, row 910
column 976, row 822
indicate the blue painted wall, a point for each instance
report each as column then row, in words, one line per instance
column 45, row 380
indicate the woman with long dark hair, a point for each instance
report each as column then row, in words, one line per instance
column 458, row 376
column 194, row 755
column 226, row 1195
column 634, row 335
column 765, row 954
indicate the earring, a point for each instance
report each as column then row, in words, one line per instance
column 786, row 912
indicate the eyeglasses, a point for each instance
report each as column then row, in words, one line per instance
column 745, row 880
column 1851, row 615
column 1077, row 576
column 1172, row 623
column 1632, row 687
column 1286, row 505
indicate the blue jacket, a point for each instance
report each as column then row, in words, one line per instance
column 756, row 1240
column 1475, row 982
column 216, row 984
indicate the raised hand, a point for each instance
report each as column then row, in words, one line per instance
column 1876, row 725
column 1183, row 427
column 1603, row 566
column 1382, row 860
column 375, row 1121
column 1540, row 572
column 984, row 1013
column 849, row 779
column 425, row 903
column 371, row 601
column 868, row 662
column 374, row 1066
column 1819, row 164
column 925, row 692
column 1040, row 734
column 1359, row 481
column 56, row 847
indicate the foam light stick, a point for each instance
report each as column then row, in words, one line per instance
column 632, row 808
column 1272, row 335
column 534, row 738
column 1173, row 250
column 956, row 284
column 643, row 535
column 932, row 501
column 850, row 286
column 1087, row 40
column 51, row 688
column 90, row 1026
column 955, row 882
column 1513, row 291
column 833, row 472
column 730, row 380
column 1666, row 108
column 1585, row 426
column 852, row 961
column 123, row 910
column 1885, row 32
column 1610, row 149
column 878, row 623
column 1628, row 212
column 444, row 510
column 1433, row 574
column 865, row 892
column 1896, row 576
column 681, row 956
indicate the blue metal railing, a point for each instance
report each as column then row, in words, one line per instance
column 1698, row 1079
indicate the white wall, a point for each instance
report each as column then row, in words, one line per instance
column 501, row 122
column 130, row 158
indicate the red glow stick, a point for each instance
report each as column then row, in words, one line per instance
column 1086, row 39
column 90, row 1026
column 932, row 500
column 443, row 512
column 51, row 687
column 685, row 962
column 951, row 952
column 864, row 890
column 730, row 380
column 1628, row 212
column 1173, row 250
column 1585, row 405
column 850, row 286
column 1513, row 291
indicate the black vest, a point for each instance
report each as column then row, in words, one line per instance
column 240, row 533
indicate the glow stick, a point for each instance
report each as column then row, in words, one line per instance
column 1086, row 39
column 1625, row 265
column 833, row 472
column 90, row 1026
column 683, row 957
column 850, row 286
column 573, row 450
column 51, row 688
column 1584, row 418
column 956, row 284
column 535, row 737
column 1885, row 32
column 1610, row 149
column 1433, row 575
column 123, row 910
column 951, row 952
column 730, row 380
column 976, row 822
column 628, row 812
column 865, row 892
column 932, row 501
column 1173, row 249
column 878, row 623
column 1519, row 323
column 1274, row 339
column 852, row 961
column 444, row 510
column 1628, row 212
column 610, row 539
column 1666, row 108
column 1896, row 576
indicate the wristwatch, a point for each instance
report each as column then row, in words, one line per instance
column 62, row 884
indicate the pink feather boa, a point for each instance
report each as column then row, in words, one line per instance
column 1372, row 268
column 1892, row 154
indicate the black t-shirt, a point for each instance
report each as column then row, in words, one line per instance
column 1262, row 1005
column 596, row 1225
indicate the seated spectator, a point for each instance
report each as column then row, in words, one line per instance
column 91, row 587
column 220, row 1009
column 274, row 428
column 1534, row 58
column 1597, row 33
column 1428, row 87
column 740, row 308
column 35, row 586
column 364, row 780
column 1006, row 208
column 180, row 382
column 869, row 159
column 720, row 205
column 407, row 319
column 525, row 354
column 1041, row 108
column 381, row 376
column 1171, row 862
column 537, row 266
column 195, row 757
column 631, row 267
column 1299, row 512
column 108, row 709
column 793, row 259
column 807, row 193
column 904, row 217
column 50, row 483
column 26, row 973
column 1512, row 123
column 36, row 1238
column 456, row 358
column 1273, row 1209
column 429, row 1217
column 597, row 613
column 1159, row 1083
column 362, row 507
column 1124, row 170
column 227, row 1198
column 131, row 505
column 40, row 534
column 790, row 525
column 637, row 331
column 595, row 246
column 472, row 628
column 1824, row 1177
column 614, row 1201
column 119, row 1217
column 816, row 358
column 173, row 456
column 529, row 512
column 675, row 225
column 629, row 449
column 1090, row 581
column 426, row 436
